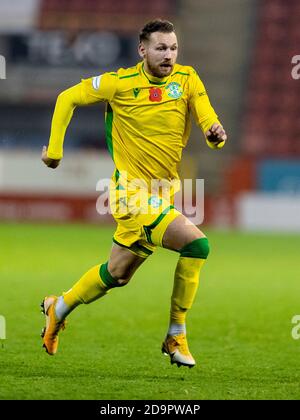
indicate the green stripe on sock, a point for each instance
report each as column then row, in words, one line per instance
column 199, row 248
column 106, row 277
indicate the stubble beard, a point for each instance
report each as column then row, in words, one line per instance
column 157, row 72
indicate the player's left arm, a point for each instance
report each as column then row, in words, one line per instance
column 205, row 115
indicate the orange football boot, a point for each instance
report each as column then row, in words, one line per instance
column 53, row 326
column 176, row 347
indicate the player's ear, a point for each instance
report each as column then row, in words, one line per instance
column 141, row 50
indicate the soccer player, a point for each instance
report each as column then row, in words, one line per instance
column 147, row 123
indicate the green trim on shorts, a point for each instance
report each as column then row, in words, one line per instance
column 144, row 249
column 148, row 229
column 134, row 247
column 118, row 243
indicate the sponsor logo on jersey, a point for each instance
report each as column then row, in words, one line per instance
column 155, row 94
column 174, row 90
column 136, row 91
column 96, row 82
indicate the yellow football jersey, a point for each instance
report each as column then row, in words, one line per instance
column 147, row 120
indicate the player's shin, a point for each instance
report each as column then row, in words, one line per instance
column 186, row 281
column 94, row 284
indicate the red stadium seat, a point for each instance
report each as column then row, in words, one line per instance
column 273, row 102
column 117, row 15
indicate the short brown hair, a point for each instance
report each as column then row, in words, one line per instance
column 157, row 25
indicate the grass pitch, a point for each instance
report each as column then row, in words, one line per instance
column 239, row 328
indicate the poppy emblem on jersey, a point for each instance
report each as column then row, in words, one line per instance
column 155, row 94
column 174, row 90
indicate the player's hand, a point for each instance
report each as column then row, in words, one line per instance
column 51, row 163
column 216, row 134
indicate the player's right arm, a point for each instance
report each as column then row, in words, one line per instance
column 89, row 91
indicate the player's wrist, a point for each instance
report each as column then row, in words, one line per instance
column 54, row 156
column 215, row 144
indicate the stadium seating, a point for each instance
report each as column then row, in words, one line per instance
column 272, row 109
column 117, row 15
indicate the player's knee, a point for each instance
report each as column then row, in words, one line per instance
column 122, row 282
column 114, row 276
column 121, row 275
column 199, row 248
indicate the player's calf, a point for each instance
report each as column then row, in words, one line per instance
column 186, row 281
column 94, row 284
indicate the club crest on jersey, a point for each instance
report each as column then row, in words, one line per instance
column 155, row 94
column 155, row 202
column 174, row 90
